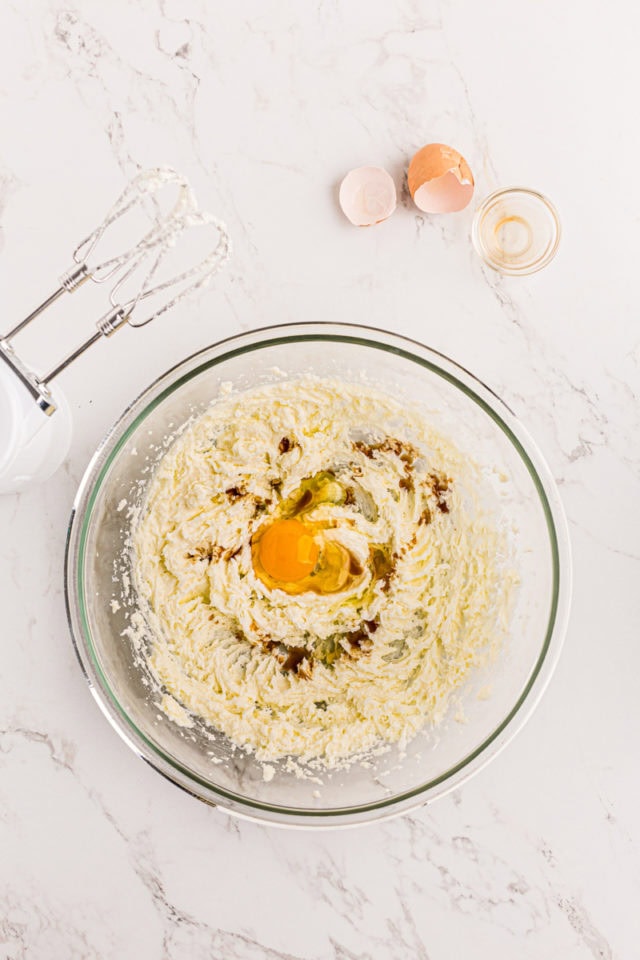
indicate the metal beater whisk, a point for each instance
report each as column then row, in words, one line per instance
column 143, row 258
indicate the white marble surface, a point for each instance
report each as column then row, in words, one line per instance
column 265, row 105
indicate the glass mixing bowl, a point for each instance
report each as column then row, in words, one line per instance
column 437, row 759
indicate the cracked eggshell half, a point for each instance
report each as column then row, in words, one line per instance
column 440, row 179
column 367, row 196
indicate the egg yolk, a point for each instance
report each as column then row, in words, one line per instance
column 287, row 551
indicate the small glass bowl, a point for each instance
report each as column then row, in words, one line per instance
column 516, row 231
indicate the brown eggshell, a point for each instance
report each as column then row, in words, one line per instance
column 440, row 179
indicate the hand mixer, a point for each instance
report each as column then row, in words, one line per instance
column 33, row 442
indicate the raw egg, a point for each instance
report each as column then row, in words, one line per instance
column 440, row 179
column 286, row 551
column 298, row 558
column 296, row 553
column 367, row 196
column 302, row 555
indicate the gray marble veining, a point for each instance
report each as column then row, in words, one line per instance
column 264, row 107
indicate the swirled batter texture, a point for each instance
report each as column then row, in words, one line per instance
column 315, row 570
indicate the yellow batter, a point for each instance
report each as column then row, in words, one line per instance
column 315, row 571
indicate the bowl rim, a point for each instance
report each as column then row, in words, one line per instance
column 211, row 356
